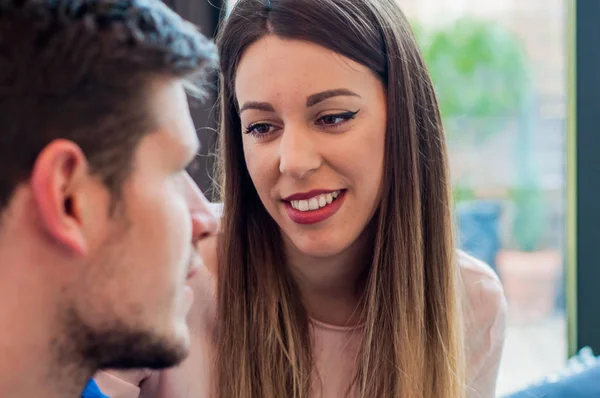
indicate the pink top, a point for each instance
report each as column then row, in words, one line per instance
column 335, row 349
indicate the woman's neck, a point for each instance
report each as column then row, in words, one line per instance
column 332, row 287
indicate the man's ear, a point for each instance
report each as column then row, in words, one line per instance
column 58, row 180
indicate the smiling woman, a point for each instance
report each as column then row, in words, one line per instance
column 331, row 129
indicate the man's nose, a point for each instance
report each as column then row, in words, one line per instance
column 205, row 222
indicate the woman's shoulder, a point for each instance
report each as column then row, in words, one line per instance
column 484, row 309
column 485, row 303
column 478, row 277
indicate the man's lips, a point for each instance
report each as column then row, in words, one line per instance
column 192, row 272
column 194, row 268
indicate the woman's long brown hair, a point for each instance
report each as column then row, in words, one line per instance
column 412, row 345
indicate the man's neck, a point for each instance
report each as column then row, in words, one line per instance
column 37, row 380
column 36, row 358
column 31, row 364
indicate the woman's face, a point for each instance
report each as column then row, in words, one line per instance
column 313, row 125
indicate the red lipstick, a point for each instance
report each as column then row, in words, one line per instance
column 313, row 216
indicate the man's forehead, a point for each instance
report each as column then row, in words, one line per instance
column 169, row 106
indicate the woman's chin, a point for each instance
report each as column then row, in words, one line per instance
column 320, row 248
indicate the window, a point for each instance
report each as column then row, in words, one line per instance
column 499, row 67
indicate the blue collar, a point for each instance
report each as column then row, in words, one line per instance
column 92, row 391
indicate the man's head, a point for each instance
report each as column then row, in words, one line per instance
column 98, row 217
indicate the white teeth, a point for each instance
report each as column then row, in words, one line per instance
column 302, row 205
column 315, row 202
column 322, row 201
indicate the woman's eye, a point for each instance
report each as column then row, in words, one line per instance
column 259, row 129
column 332, row 119
column 336, row 118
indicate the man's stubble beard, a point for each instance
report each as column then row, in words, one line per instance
column 112, row 342
column 116, row 345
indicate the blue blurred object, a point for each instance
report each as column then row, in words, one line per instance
column 92, row 391
column 580, row 379
column 478, row 229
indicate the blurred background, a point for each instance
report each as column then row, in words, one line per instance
column 519, row 89
column 500, row 72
